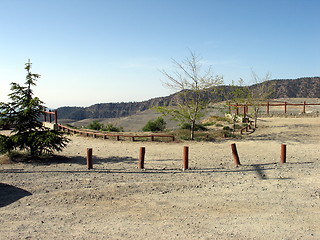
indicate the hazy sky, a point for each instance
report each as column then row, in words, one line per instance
column 96, row 51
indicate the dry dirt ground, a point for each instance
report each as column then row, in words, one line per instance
column 261, row 199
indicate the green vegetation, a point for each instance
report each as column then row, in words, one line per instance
column 22, row 114
column 207, row 124
column 197, row 127
column 157, row 125
column 96, row 125
column 194, row 85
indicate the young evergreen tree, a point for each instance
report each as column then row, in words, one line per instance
column 22, row 113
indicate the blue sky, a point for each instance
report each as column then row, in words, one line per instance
column 96, row 51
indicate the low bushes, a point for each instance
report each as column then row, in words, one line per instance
column 157, row 125
column 96, row 125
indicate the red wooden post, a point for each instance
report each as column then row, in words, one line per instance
column 185, row 158
column 237, row 109
column 50, row 120
column 304, row 107
column 141, row 157
column 285, row 107
column 244, row 110
column 89, row 158
column 268, row 106
column 235, row 154
column 283, row 153
column 55, row 116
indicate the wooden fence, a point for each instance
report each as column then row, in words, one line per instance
column 118, row 137
column 52, row 117
column 268, row 105
column 48, row 115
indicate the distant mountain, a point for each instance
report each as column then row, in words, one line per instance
column 308, row 87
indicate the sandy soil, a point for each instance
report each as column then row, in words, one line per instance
column 261, row 199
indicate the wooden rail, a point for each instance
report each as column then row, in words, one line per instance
column 118, row 137
column 47, row 115
column 268, row 105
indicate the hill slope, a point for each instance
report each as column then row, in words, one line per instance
column 308, row 87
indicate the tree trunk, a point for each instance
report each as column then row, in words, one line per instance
column 255, row 117
column 193, row 123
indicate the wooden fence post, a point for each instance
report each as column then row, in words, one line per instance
column 285, row 107
column 141, row 157
column 185, row 158
column 235, row 154
column 89, row 158
column 55, row 116
column 283, row 153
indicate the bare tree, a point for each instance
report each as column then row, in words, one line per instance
column 259, row 93
column 193, row 84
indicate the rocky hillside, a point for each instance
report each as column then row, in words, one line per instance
column 283, row 88
column 297, row 88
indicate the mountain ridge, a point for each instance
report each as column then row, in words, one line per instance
column 305, row 87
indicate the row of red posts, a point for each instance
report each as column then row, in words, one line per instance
column 185, row 156
column 236, row 160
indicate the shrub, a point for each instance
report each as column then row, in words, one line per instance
column 157, row 125
column 112, row 128
column 95, row 125
column 227, row 128
column 197, row 127
column 209, row 124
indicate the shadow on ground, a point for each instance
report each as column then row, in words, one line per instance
column 9, row 194
column 58, row 159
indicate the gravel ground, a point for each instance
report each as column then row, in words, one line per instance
column 261, row 199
